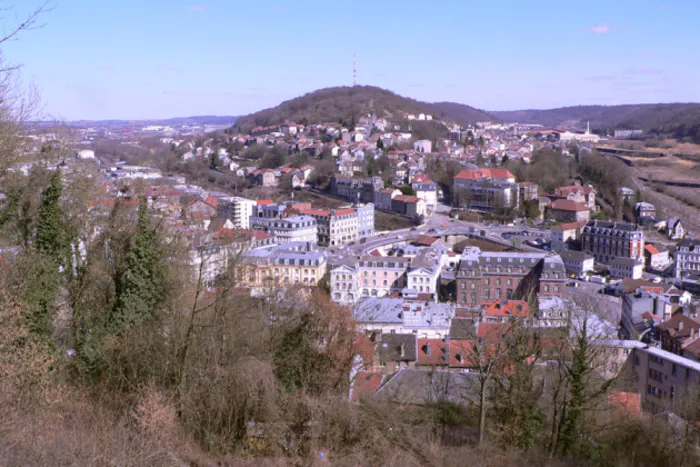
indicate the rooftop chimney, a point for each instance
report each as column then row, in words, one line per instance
column 427, row 349
column 403, row 350
column 680, row 326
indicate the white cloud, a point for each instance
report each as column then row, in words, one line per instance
column 197, row 9
column 600, row 29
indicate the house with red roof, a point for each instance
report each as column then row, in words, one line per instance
column 486, row 189
column 201, row 209
column 656, row 257
column 566, row 210
column 580, row 194
column 502, row 311
column 425, row 189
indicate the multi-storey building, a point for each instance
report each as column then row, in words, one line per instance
column 425, row 189
column 282, row 266
column 379, row 276
column 238, row 210
column 486, row 189
column 365, row 219
column 293, row 229
column 580, row 194
column 335, row 226
column 664, row 381
column 687, row 258
column 398, row 315
column 607, row 240
column 484, row 276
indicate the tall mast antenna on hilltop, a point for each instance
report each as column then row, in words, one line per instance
column 354, row 70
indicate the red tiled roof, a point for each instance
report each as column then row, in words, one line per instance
column 375, row 252
column 493, row 331
column 407, row 198
column 651, row 249
column 461, row 353
column 264, row 202
column 567, row 190
column 437, row 349
column 569, row 226
column 366, row 384
column 568, row 205
column 517, row 308
column 342, row 212
column 426, row 240
column 316, row 212
column 475, row 174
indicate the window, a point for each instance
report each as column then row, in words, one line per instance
column 487, row 294
column 674, row 370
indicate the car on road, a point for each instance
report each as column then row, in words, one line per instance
column 506, row 236
column 432, row 230
column 364, row 240
column 413, row 229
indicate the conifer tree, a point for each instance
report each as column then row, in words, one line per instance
column 51, row 237
column 140, row 286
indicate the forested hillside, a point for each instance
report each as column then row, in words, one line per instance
column 677, row 120
column 345, row 104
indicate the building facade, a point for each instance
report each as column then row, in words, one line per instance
column 607, row 240
column 238, row 210
column 365, row 219
column 687, row 258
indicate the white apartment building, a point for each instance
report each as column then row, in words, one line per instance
column 626, row 267
column 335, row 226
column 238, row 210
column 577, row 262
column 293, row 229
column 687, row 257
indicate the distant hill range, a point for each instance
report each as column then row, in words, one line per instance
column 343, row 104
column 679, row 120
column 177, row 121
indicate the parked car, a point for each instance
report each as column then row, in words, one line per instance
column 364, row 240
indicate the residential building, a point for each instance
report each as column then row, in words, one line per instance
column 626, row 267
column 580, row 194
column 566, row 210
column 201, row 208
column 382, row 198
column 293, row 229
column 687, row 258
column 344, row 282
column 486, row 189
column 238, row 210
column 365, row 219
column 423, row 145
column 678, row 332
column 502, row 311
column 282, row 266
column 674, row 229
column 643, row 209
column 484, row 276
column 564, row 235
column 662, row 378
column 380, row 276
column 425, row 189
column 528, row 191
column 335, row 226
column 656, row 257
column 395, row 352
column 409, row 206
column 427, row 320
column 369, row 187
column 607, row 240
column 577, row 262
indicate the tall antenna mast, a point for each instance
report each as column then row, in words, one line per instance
column 354, row 70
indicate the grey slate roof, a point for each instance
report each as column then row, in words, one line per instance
column 389, row 348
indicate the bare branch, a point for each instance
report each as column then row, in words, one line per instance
column 28, row 24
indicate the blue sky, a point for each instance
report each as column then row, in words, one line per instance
column 156, row 58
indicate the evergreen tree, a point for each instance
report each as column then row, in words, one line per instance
column 141, row 285
column 51, row 236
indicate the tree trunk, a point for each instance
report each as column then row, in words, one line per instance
column 482, row 414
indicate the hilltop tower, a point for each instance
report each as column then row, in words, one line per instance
column 354, row 70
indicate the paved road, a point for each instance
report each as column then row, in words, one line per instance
column 438, row 224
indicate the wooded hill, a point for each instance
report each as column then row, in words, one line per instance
column 677, row 120
column 343, row 104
